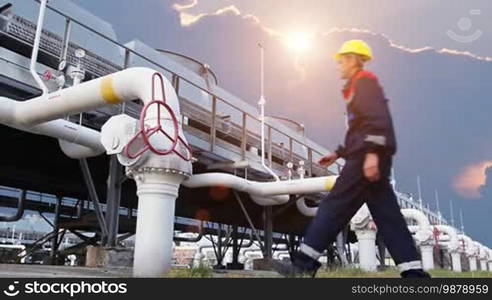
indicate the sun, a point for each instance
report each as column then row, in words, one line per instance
column 299, row 41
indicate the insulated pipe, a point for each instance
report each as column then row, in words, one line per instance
column 126, row 85
column 367, row 249
column 35, row 49
column 490, row 260
column 482, row 255
column 155, row 223
column 272, row 200
column 44, row 115
column 452, row 246
column 470, row 251
column 88, row 140
column 77, row 151
column 361, row 223
column 308, row 211
column 264, row 189
column 423, row 236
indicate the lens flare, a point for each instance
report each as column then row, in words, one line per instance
column 299, row 41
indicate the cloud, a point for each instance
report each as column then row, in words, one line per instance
column 189, row 19
column 486, row 188
column 473, row 182
column 182, row 7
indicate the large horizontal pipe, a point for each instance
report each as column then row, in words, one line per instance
column 126, row 85
column 45, row 114
column 264, row 189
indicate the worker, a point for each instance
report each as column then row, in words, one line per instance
column 369, row 146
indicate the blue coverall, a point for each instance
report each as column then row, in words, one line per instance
column 370, row 130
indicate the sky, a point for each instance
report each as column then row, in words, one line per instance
column 433, row 58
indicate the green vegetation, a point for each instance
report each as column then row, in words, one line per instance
column 207, row 272
column 197, row 272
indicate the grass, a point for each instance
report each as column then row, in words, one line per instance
column 393, row 273
column 197, row 272
column 207, row 272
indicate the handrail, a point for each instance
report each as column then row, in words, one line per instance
column 129, row 50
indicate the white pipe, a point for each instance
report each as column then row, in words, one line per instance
column 264, row 189
column 456, row 261
column 470, row 251
column 126, row 85
column 61, row 129
column 271, row 200
column 482, row 256
column 417, row 216
column 44, row 115
column 427, row 253
column 452, row 246
column 367, row 249
column 262, row 103
column 423, row 236
column 472, row 260
column 35, row 49
column 304, row 209
column 490, row 260
column 157, row 195
column 77, row 151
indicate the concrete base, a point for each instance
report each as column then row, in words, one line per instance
column 97, row 257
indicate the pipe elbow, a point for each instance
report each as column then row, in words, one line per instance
column 76, row 151
column 304, row 209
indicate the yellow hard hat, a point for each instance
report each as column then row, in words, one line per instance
column 357, row 47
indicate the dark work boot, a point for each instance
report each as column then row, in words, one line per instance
column 415, row 273
column 302, row 266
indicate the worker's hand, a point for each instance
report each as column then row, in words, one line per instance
column 371, row 167
column 328, row 160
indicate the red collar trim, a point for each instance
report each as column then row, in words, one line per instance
column 350, row 87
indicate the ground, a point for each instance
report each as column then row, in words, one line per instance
column 44, row 271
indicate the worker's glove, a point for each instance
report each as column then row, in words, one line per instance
column 371, row 167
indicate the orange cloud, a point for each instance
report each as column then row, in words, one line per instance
column 468, row 183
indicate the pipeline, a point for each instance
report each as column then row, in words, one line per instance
column 423, row 236
column 157, row 172
column 471, row 251
column 265, row 193
column 452, row 246
column 308, row 211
